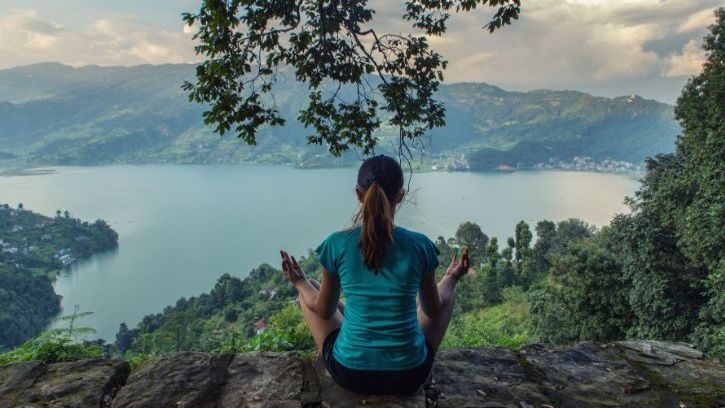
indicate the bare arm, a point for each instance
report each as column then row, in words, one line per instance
column 435, row 297
column 322, row 302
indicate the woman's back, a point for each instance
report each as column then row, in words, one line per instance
column 384, row 343
column 380, row 330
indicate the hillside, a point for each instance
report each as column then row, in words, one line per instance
column 56, row 114
column 33, row 250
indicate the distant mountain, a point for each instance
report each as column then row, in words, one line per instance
column 56, row 114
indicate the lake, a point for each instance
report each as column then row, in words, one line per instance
column 181, row 227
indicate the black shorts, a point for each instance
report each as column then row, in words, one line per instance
column 398, row 382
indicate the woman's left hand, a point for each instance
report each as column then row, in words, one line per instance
column 291, row 268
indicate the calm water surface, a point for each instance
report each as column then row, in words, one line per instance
column 181, row 227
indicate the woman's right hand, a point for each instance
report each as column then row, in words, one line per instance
column 458, row 267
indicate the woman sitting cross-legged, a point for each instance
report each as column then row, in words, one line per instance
column 385, row 342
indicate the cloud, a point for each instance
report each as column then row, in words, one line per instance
column 28, row 29
column 686, row 63
column 30, row 37
column 697, row 21
column 606, row 47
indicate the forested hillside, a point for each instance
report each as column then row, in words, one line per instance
column 55, row 114
column 33, row 249
column 574, row 283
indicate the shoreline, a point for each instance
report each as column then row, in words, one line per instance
column 45, row 169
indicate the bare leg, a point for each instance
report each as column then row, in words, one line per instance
column 320, row 327
column 340, row 305
column 435, row 329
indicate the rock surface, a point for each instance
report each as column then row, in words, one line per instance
column 87, row 383
column 628, row 373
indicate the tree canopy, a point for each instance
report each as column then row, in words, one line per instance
column 667, row 278
column 355, row 73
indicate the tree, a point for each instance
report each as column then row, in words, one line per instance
column 667, row 280
column 698, row 193
column 470, row 235
column 523, row 239
column 492, row 254
column 177, row 324
column 663, row 288
column 124, row 338
column 590, row 293
column 351, row 69
column 674, row 239
column 571, row 230
column 20, row 206
column 523, row 254
column 546, row 234
column 491, row 290
column 231, row 315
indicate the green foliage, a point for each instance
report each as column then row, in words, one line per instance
column 289, row 320
column 493, row 270
column 503, row 325
column 34, row 243
column 269, row 340
column 205, row 323
column 522, row 254
column 697, row 194
column 124, row 338
column 26, row 303
column 657, row 272
column 586, row 298
column 286, row 331
column 664, row 288
column 136, row 359
column 51, row 348
column 546, row 236
column 333, row 49
column 57, row 345
column 469, row 234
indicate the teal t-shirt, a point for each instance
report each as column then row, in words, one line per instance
column 380, row 330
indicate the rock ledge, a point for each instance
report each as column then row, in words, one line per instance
column 627, row 373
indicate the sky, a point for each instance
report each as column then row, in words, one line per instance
column 604, row 47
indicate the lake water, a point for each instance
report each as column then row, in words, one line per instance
column 181, row 227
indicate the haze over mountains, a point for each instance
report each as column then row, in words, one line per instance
column 56, row 114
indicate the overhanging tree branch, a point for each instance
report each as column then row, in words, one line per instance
column 244, row 42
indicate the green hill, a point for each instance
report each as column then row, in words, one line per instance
column 55, row 114
column 33, row 249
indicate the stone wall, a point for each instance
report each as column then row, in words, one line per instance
column 636, row 374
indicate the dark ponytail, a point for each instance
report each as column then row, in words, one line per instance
column 381, row 178
column 376, row 219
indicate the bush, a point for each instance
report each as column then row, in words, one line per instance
column 286, row 331
column 50, row 347
column 502, row 325
column 57, row 345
